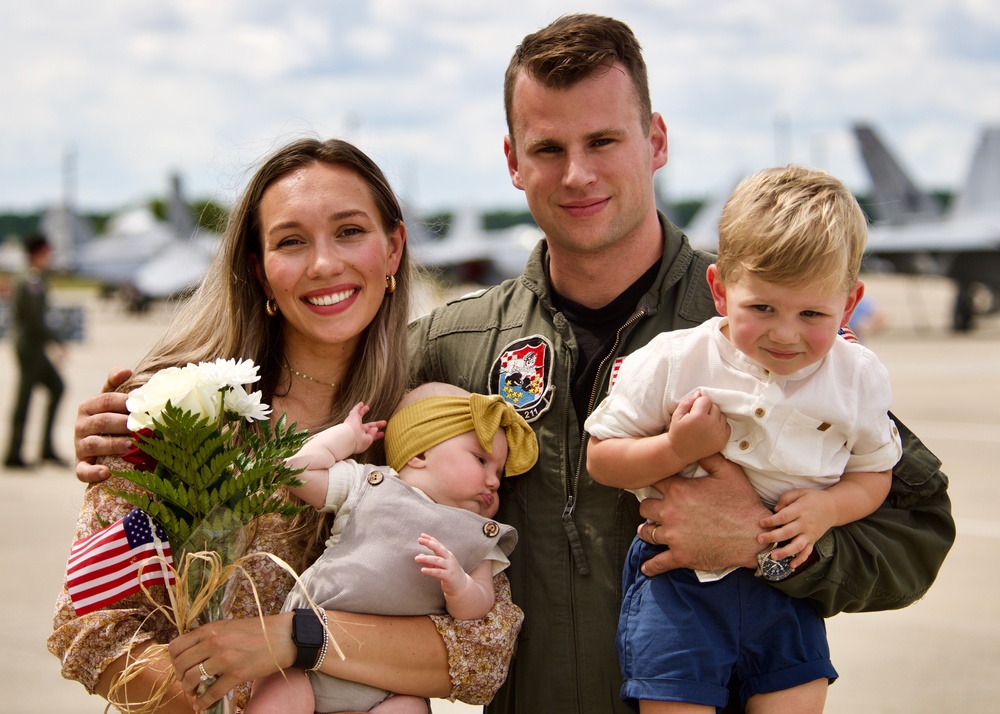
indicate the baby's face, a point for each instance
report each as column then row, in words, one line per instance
column 459, row 472
column 783, row 328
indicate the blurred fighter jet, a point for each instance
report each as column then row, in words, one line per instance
column 147, row 257
column 468, row 253
column 914, row 236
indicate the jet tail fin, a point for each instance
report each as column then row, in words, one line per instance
column 897, row 199
column 982, row 186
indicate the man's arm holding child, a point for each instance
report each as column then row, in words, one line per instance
column 884, row 561
column 804, row 515
column 467, row 596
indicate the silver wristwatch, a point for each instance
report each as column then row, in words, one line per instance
column 770, row 569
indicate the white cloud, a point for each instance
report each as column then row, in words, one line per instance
column 206, row 86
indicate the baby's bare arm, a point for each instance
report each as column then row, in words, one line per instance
column 326, row 448
column 468, row 596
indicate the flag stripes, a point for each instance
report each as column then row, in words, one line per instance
column 114, row 562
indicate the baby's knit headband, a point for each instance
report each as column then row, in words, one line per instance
column 429, row 421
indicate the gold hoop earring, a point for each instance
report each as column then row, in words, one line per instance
column 271, row 307
column 390, row 283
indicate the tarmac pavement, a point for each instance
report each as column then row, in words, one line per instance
column 940, row 655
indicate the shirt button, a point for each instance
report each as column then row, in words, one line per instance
column 744, row 445
column 375, row 478
column 759, row 412
column 491, row 529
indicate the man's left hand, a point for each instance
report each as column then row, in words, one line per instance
column 708, row 523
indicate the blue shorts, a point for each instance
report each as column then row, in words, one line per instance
column 681, row 640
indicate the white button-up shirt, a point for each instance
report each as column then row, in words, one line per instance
column 803, row 430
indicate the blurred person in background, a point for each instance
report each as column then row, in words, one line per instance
column 31, row 339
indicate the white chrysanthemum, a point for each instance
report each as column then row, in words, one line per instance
column 246, row 405
column 197, row 388
column 227, row 372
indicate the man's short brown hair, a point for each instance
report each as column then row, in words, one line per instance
column 572, row 49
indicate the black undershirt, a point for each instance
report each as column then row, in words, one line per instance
column 595, row 330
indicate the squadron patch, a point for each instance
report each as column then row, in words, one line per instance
column 521, row 376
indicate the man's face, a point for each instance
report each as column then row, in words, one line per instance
column 584, row 161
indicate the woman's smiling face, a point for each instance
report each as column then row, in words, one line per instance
column 326, row 253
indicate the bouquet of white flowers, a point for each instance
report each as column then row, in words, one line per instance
column 207, row 473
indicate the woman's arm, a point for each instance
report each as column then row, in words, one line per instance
column 401, row 654
column 87, row 645
column 427, row 657
column 479, row 651
column 148, row 681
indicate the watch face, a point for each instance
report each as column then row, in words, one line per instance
column 307, row 630
column 775, row 569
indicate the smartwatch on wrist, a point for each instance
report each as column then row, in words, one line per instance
column 308, row 636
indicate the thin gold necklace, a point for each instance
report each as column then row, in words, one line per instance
column 297, row 373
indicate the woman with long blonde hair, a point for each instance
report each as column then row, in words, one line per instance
column 312, row 282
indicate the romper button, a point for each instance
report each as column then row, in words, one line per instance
column 744, row 445
column 375, row 478
column 759, row 412
column 491, row 529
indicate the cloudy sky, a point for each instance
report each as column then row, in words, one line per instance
column 133, row 90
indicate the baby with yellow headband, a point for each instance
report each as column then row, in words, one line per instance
column 447, row 451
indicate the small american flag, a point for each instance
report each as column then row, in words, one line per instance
column 109, row 565
column 848, row 334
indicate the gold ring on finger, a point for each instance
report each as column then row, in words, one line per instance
column 205, row 676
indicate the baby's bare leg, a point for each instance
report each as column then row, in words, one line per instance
column 402, row 704
column 275, row 694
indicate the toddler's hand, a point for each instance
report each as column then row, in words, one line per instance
column 698, row 428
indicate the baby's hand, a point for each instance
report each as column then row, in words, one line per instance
column 365, row 433
column 698, row 428
column 441, row 564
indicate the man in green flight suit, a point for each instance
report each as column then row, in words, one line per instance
column 611, row 273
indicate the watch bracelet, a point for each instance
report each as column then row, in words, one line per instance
column 326, row 641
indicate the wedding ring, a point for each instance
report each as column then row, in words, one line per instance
column 652, row 534
column 205, row 676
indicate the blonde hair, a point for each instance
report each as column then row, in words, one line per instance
column 225, row 316
column 792, row 225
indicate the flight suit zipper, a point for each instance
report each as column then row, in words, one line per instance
column 569, row 525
